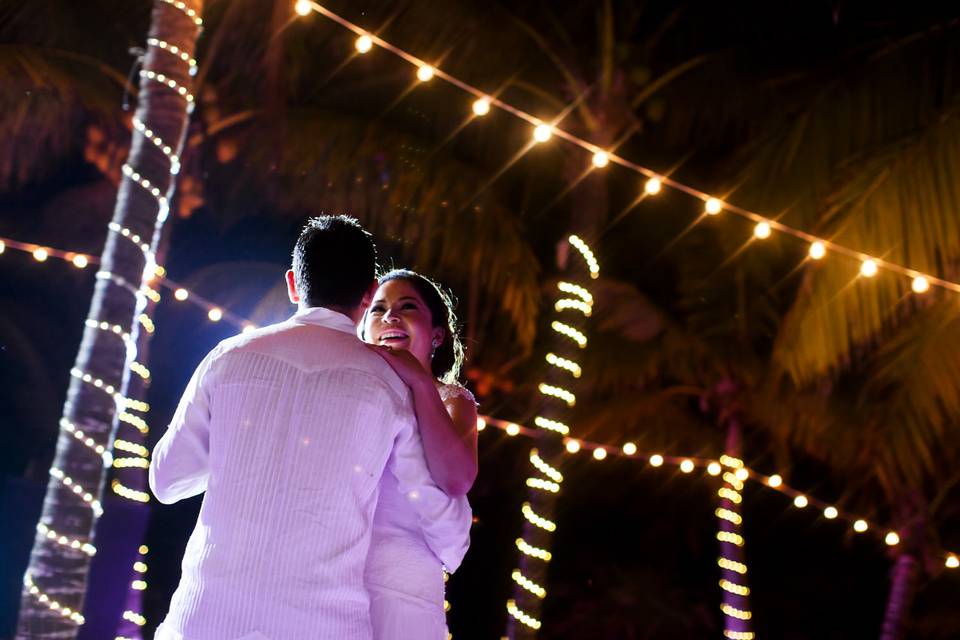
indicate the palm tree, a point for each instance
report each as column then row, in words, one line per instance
column 55, row 580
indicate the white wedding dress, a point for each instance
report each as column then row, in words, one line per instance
column 404, row 578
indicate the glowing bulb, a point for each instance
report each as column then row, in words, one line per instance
column 775, row 481
column 481, row 107
column 3, row 246
column 952, row 562
column 892, row 539
column 830, row 513
column 656, row 460
column 573, row 446
column 868, row 268
column 817, row 250
column 425, row 73
column 513, row 429
column 363, row 44
column 303, row 7
column 542, row 132
column 800, row 502
column 40, row 254
column 713, row 206
column 762, row 230
column 742, row 474
column 629, row 448
column 860, row 526
column 601, row 159
column 714, row 468
column 687, row 466
column 653, row 186
column 215, row 314
column 247, row 328
column 599, row 453
column 80, row 261
column 920, row 285
column 181, row 294
column 481, row 424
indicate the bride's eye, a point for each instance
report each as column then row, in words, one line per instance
column 377, row 308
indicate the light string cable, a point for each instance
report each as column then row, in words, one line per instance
column 817, row 247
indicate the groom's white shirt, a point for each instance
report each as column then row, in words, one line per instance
column 288, row 429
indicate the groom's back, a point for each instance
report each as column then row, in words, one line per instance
column 302, row 422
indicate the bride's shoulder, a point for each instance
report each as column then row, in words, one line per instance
column 450, row 391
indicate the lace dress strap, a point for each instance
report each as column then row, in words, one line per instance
column 450, row 391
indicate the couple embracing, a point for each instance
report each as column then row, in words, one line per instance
column 335, row 450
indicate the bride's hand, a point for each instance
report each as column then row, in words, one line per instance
column 405, row 364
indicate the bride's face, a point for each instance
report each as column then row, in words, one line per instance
column 398, row 317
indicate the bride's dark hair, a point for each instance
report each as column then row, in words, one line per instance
column 448, row 357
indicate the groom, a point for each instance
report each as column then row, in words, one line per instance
column 288, row 429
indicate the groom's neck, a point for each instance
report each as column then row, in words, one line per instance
column 354, row 313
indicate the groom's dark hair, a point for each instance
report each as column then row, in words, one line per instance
column 334, row 262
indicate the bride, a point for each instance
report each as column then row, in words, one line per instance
column 412, row 325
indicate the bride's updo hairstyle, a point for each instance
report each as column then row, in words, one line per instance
column 448, row 357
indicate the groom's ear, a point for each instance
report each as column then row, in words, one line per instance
column 368, row 296
column 292, row 287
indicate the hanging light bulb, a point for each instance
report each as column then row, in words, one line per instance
column 775, row 481
column 363, row 44
column 868, row 268
column 40, row 255
column 80, row 261
column 892, row 539
column 800, row 502
column 629, row 448
column 542, row 132
column 713, row 206
column 762, row 230
column 303, row 7
column 860, row 526
column 600, row 159
column 573, row 445
column 481, row 424
column 425, row 73
column 181, row 294
column 830, row 513
column 215, row 314
column 481, row 106
column 599, row 453
column 714, row 468
column 513, row 429
column 656, row 460
column 653, row 186
column 952, row 562
column 817, row 250
column 687, row 466
column 920, row 285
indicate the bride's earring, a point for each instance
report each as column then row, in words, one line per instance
column 436, row 343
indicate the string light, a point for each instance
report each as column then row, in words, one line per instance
column 215, row 314
column 363, row 44
column 800, row 501
column 734, row 588
column 656, row 460
column 64, row 541
column 599, row 453
column 714, row 468
column 535, row 552
column 520, row 616
column 187, row 10
column 40, row 255
column 303, row 7
column 552, row 425
column 687, row 466
column 868, row 268
column 543, row 485
column 600, row 159
column 892, row 539
column 528, row 584
column 817, row 250
column 512, row 429
column 481, row 424
column 952, row 562
column 80, row 261
column 544, row 468
column 481, row 106
column 425, row 73
column 130, row 494
column 762, row 230
column 629, row 449
column 558, row 392
column 542, row 132
column 587, row 254
column 577, row 305
column 570, row 332
column 564, row 363
column 575, row 290
column 653, row 186
column 830, row 513
column 860, row 526
column 536, row 520
column 775, row 481
column 920, row 284
column 573, row 446
column 731, row 565
column 80, row 492
column 51, row 604
column 738, row 635
column 742, row 474
column 100, row 450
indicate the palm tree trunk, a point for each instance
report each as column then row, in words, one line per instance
column 737, row 623
column 531, row 575
column 903, row 582
column 55, row 581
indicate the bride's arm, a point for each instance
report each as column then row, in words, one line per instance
column 448, row 431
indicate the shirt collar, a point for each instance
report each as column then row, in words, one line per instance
column 325, row 318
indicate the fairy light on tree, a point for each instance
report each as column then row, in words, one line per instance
column 72, row 502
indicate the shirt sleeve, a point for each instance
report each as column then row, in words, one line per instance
column 180, row 466
column 445, row 521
